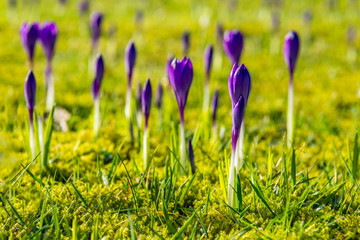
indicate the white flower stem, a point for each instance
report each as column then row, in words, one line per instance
column 232, row 176
column 128, row 103
column 182, row 148
column 206, row 95
column 50, row 93
column 240, row 147
column 97, row 119
column 290, row 113
column 145, row 145
column 32, row 140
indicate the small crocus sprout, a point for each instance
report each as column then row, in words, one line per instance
column 159, row 96
column 95, row 89
column 48, row 35
column 30, row 95
column 96, row 19
column 233, row 42
column 181, row 76
column 208, row 57
column 291, row 52
column 130, row 60
column 214, row 106
column 83, row 6
column 191, row 157
column 186, row 42
column 239, row 86
column 138, row 97
column 146, row 106
column 238, row 115
column 29, row 34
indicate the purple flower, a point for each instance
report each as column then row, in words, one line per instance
column 291, row 50
column 138, row 96
column 146, row 100
column 47, row 35
column 130, row 59
column 83, row 6
column 239, row 84
column 208, row 56
column 191, row 157
column 186, row 42
column 30, row 93
column 95, row 25
column 233, row 44
column 29, row 34
column 159, row 95
column 181, row 76
column 238, row 116
column 99, row 74
column 214, row 105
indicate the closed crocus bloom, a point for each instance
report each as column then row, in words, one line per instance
column 95, row 25
column 291, row 50
column 186, row 42
column 130, row 59
column 208, row 56
column 191, row 157
column 146, row 100
column 83, row 6
column 99, row 74
column 239, row 84
column 47, row 36
column 233, row 44
column 214, row 105
column 238, row 116
column 29, row 34
column 30, row 93
column 181, row 76
column 159, row 95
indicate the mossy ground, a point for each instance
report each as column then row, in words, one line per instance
column 88, row 192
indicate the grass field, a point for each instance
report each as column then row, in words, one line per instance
column 98, row 188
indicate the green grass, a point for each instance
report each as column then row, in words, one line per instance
column 95, row 188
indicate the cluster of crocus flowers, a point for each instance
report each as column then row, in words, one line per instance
column 239, row 89
column 130, row 60
column 208, row 58
column 48, row 35
column 29, row 35
column 30, row 96
column 181, row 77
column 233, row 42
column 146, row 99
column 291, row 52
column 95, row 91
column 96, row 19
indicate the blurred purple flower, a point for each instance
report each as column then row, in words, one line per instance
column 186, row 42
column 159, row 95
column 83, row 6
column 99, row 74
column 146, row 100
column 291, row 50
column 29, row 34
column 233, row 44
column 214, row 105
column 208, row 56
column 191, row 157
column 130, row 60
column 95, row 25
column 30, row 93
column 239, row 84
column 47, row 35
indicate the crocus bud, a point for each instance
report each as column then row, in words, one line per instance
column 146, row 100
column 238, row 116
column 191, row 157
column 291, row 50
column 99, row 74
column 186, row 42
column 214, row 105
column 83, row 6
column 95, row 25
column 130, row 59
column 159, row 95
column 48, row 34
column 181, row 76
column 138, row 96
column 29, row 34
column 233, row 44
column 208, row 56
column 30, row 93
column 239, row 84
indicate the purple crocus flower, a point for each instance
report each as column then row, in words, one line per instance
column 238, row 116
column 30, row 94
column 186, row 42
column 29, row 34
column 291, row 50
column 191, row 157
column 95, row 25
column 239, row 84
column 146, row 100
column 130, row 60
column 214, row 106
column 99, row 74
column 83, row 6
column 159, row 95
column 181, row 76
column 208, row 56
column 233, row 44
column 47, row 35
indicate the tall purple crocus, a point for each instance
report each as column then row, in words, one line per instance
column 186, row 42
column 181, row 76
column 29, row 34
column 146, row 106
column 233, row 42
column 48, row 35
column 130, row 60
column 208, row 57
column 96, row 19
column 99, row 69
column 291, row 52
column 214, row 107
column 30, row 96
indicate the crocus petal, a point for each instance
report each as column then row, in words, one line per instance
column 146, row 98
column 239, row 84
column 191, row 157
column 95, row 25
column 99, row 68
column 30, row 90
column 48, row 35
column 238, row 116
column 233, row 45
column 29, row 34
column 208, row 56
column 130, row 59
column 214, row 105
column 291, row 50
